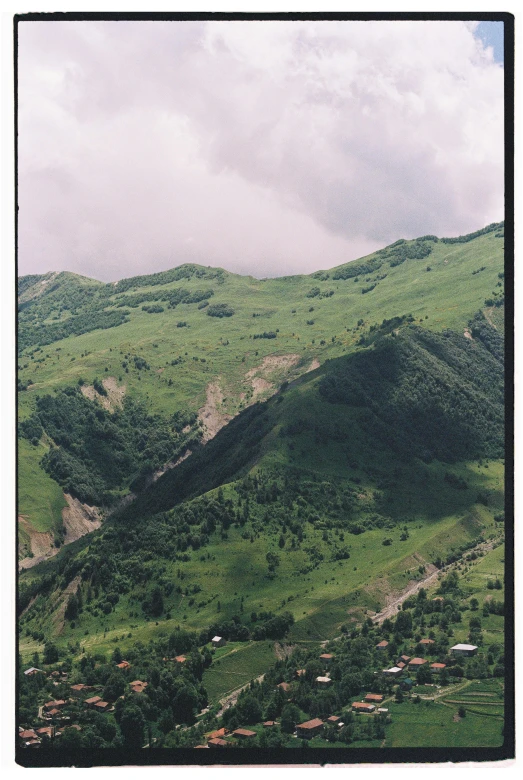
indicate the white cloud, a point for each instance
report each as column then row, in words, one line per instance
column 264, row 147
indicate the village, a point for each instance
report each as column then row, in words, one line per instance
column 56, row 718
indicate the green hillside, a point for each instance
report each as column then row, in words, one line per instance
column 151, row 338
column 276, row 461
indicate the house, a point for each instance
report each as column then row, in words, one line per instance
column 382, row 645
column 404, row 659
column 427, row 642
column 437, row 667
column 123, row 665
column 374, row 697
column 32, row 671
column 79, row 687
column 416, row 663
column 269, row 724
column 323, row 682
column 201, row 746
column 465, row 650
column 92, row 701
column 54, row 705
column 48, row 731
column 406, row 684
column 243, row 733
column 27, row 734
column 300, row 673
column 310, row 728
column 218, row 641
column 54, row 712
column 217, row 743
column 285, row 686
column 361, row 706
column 326, row 658
column 382, row 709
column 394, row 671
column 219, row 734
column 181, row 659
column 137, row 686
column 333, row 720
column 102, row 706
column 401, row 665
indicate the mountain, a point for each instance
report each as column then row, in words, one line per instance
column 150, row 339
column 121, row 382
column 271, row 461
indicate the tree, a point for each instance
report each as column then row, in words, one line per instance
column 290, row 716
column 424, row 675
column 474, row 604
column 249, row 709
column 185, row 702
column 71, row 740
column 114, row 687
column 117, row 655
column 132, row 725
column 50, row 653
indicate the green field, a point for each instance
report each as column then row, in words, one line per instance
column 433, row 724
column 237, row 667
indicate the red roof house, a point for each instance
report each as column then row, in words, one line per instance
column 310, row 728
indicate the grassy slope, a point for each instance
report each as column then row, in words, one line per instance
column 438, row 516
column 328, row 596
column 445, row 297
column 40, row 499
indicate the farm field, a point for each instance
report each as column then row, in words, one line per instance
column 237, row 667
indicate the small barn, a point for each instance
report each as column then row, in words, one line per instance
column 464, row 650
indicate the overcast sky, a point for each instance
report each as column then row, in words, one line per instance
column 266, row 148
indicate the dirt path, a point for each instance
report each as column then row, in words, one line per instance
column 392, row 609
column 231, row 698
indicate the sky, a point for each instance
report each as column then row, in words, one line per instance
column 266, row 148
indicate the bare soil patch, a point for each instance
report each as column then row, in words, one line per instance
column 79, row 519
column 114, row 397
column 272, row 363
column 211, row 415
column 41, row 543
column 260, row 386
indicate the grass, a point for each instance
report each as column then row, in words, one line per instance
column 330, row 595
column 432, row 724
column 237, row 668
column 223, row 350
column 40, row 499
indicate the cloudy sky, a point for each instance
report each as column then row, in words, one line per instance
column 263, row 147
